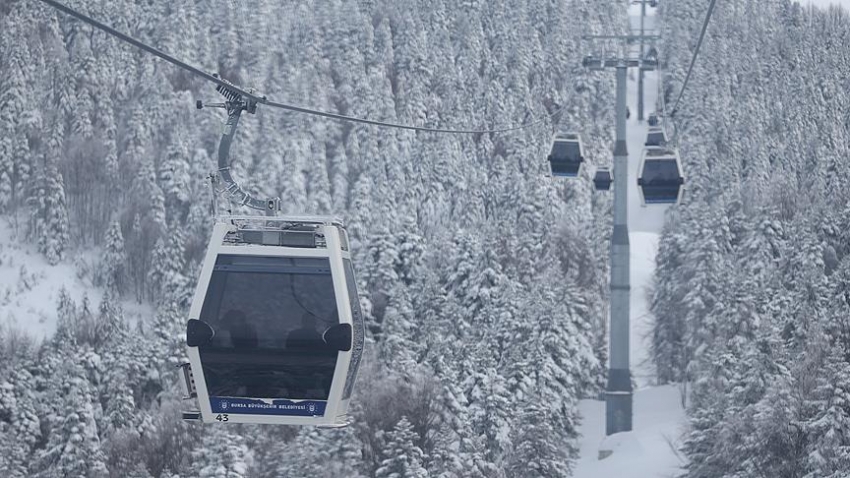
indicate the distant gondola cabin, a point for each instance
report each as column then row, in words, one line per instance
column 593, row 63
column 661, row 180
column 650, row 61
column 567, row 155
column 602, row 179
column 652, row 120
column 656, row 136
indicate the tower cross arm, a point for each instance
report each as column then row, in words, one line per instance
column 621, row 37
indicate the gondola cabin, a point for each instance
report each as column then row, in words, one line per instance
column 661, row 180
column 650, row 61
column 567, row 155
column 602, row 179
column 656, row 136
column 275, row 332
column 649, row 64
column 652, row 120
column 593, row 63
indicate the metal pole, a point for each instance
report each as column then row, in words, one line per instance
column 618, row 392
column 640, row 72
column 213, row 177
column 618, row 398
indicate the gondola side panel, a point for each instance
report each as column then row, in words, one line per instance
column 335, row 401
column 358, row 326
column 218, row 234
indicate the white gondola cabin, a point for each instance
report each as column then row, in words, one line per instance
column 661, row 180
column 275, row 332
column 567, row 155
column 656, row 136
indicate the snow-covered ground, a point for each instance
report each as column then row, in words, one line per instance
column 648, row 22
column 646, row 452
column 644, row 245
column 649, row 450
column 30, row 287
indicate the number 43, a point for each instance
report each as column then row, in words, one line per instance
column 222, row 417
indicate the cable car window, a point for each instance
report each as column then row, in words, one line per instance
column 269, row 314
column 655, row 138
column 659, row 171
column 565, row 150
column 358, row 330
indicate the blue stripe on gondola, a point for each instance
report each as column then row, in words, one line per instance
column 251, row 406
column 271, row 269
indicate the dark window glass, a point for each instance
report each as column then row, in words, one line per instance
column 656, row 138
column 564, row 168
column 566, row 150
column 269, row 314
column 573, row 150
column 358, row 329
column 661, row 194
column 655, row 171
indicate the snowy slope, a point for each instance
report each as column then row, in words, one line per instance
column 645, row 223
column 634, row 19
column 645, row 452
column 649, row 450
column 644, row 246
column 30, row 287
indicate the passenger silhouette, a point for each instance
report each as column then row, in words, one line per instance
column 242, row 333
column 306, row 336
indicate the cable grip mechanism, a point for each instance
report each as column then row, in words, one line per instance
column 235, row 103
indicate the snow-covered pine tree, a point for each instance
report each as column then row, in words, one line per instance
column 221, row 454
column 74, row 449
column 828, row 431
column 537, row 450
column 166, row 281
column 326, row 453
column 403, row 459
column 20, row 427
column 15, row 155
column 113, row 265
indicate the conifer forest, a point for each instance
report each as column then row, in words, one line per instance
column 484, row 281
